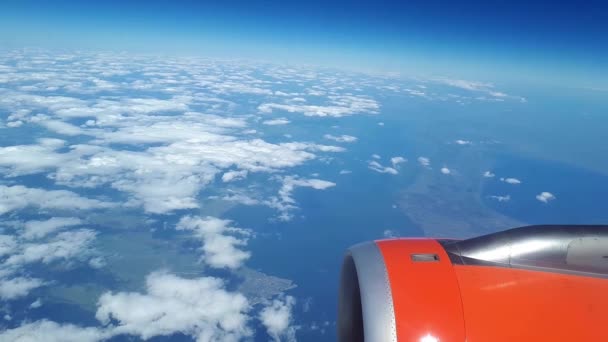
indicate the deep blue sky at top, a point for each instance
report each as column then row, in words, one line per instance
column 553, row 41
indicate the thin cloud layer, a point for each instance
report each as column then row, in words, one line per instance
column 341, row 138
column 276, row 122
column 37, row 229
column 49, row 331
column 19, row 197
column 424, row 161
column 505, row 198
column 285, row 203
column 337, row 106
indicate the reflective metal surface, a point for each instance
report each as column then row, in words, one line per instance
column 579, row 250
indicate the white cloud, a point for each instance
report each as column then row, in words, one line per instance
column 276, row 122
column 376, row 156
column 380, row 123
column 48, row 331
column 14, row 124
column 220, row 244
column 424, row 161
column 341, row 138
column 36, row 304
column 488, row 174
column 463, row 142
column 514, row 181
column 374, row 165
column 234, row 175
column 398, row 160
column 28, row 159
column 19, row 197
column 8, row 244
column 389, row 234
column 64, row 246
column 168, row 178
column 285, row 203
column 37, row 229
column 545, row 197
column 17, row 287
column 200, row 307
column 278, row 320
column 505, row 198
column 464, row 84
column 162, row 178
column 339, row 106
column 61, row 127
column 175, row 151
column 345, row 172
column 445, row 171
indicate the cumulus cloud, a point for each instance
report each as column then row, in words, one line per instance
column 463, row 142
column 513, row 181
column 445, row 171
column 19, row 197
column 424, row 161
column 276, row 122
column 341, row 138
column 545, row 197
column 488, row 174
column 277, row 319
column 201, row 308
column 220, row 240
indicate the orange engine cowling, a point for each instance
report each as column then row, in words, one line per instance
column 399, row 290
column 535, row 283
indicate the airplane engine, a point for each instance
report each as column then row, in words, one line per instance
column 535, row 283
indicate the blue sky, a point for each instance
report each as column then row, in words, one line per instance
column 512, row 40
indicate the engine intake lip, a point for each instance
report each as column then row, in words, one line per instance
column 365, row 302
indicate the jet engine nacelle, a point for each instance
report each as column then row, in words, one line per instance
column 536, row 283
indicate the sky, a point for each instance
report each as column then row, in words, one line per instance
column 552, row 42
